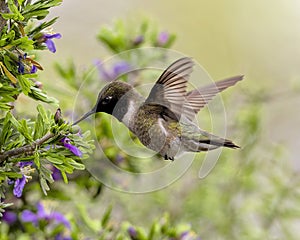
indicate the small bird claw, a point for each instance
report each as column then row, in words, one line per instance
column 169, row 158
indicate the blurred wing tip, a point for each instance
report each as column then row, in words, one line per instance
column 186, row 59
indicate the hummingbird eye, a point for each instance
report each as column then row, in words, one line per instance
column 106, row 100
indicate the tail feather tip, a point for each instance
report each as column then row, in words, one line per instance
column 230, row 144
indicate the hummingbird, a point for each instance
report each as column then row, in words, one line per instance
column 163, row 121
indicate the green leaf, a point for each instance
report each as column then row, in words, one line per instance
column 45, row 175
column 171, row 41
column 41, row 124
column 5, row 106
column 67, row 72
column 2, row 207
column 39, row 14
column 37, row 159
column 43, row 114
column 8, row 93
column 13, row 120
column 17, row 16
column 24, row 159
column 38, row 94
column 24, row 43
column 20, row 2
column 55, row 160
column 24, row 130
column 106, row 217
column 42, row 26
column 24, row 84
column 92, row 224
column 39, row 9
column 12, row 175
column 153, row 231
column 7, row 38
column 63, row 168
column 7, row 62
column 46, row 172
column 76, row 165
column 21, row 126
column 44, row 185
column 8, row 16
column 6, row 130
column 114, row 39
column 64, row 176
column 144, row 27
column 38, row 127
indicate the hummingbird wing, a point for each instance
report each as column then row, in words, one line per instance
column 198, row 98
column 169, row 90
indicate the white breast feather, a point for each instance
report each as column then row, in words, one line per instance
column 129, row 114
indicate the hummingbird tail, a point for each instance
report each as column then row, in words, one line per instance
column 215, row 143
column 230, row 144
column 224, row 143
column 209, row 143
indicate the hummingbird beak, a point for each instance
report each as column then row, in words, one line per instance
column 85, row 116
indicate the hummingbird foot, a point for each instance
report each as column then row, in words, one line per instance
column 169, row 158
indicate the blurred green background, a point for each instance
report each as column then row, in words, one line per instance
column 252, row 193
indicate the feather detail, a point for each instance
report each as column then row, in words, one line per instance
column 198, row 98
column 169, row 90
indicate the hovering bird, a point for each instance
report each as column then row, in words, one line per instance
column 163, row 122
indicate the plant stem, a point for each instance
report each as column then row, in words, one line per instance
column 25, row 149
column 3, row 9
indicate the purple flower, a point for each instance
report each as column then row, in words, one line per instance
column 41, row 214
column 119, row 159
column 102, row 71
column 72, row 148
column 56, row 175
column 132, row 232
column 188, row 235
column 117, row 69
column 138, row 40
column 25, row 164
column 19, row 186
column 163, row 38
column 28, row 216
column 33, row 69
column 27, row 65
column 62, row 237
column 47, row 39
column 9, row 217
column 10, row 182
column 59, row 218
column 21, row 67
column 38, row 84
column 20, row 182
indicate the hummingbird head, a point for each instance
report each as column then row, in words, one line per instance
column 113, row 99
